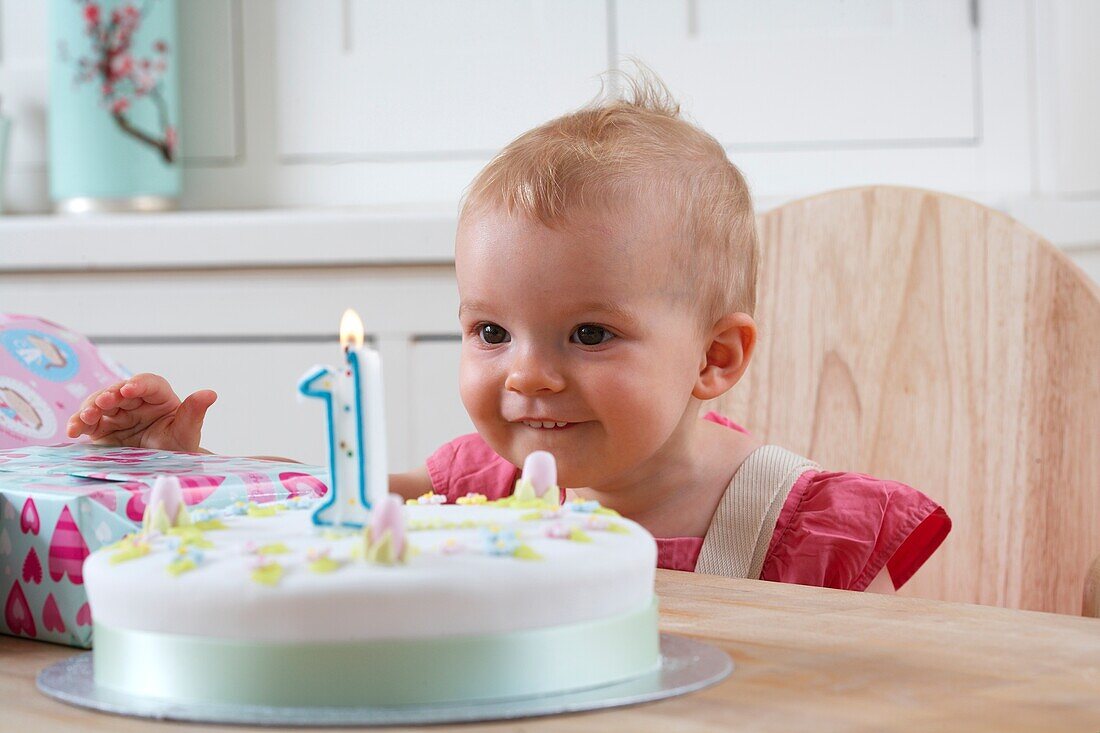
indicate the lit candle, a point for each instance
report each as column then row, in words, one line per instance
column 356, row 429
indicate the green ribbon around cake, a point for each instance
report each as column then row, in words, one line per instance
column 380, row 672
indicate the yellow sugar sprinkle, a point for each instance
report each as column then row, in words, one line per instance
column 133, row 552
column 255, row 510
column 325, row 565
column 183, row 565
column 524, row 552
column 269, row 574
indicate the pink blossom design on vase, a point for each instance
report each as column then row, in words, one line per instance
column 124, row 79
column 197, row 489
column 67, row 550
column 51, row 616
column 17, row 614
column 84, row 616
column 32, row 568
column 302, row 484
column 28, row 520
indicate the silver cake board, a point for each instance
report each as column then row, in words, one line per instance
column 686, row 666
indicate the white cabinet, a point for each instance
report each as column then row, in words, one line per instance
column 258, row 411
column 435, row 411
column 250, row 332
column 398, row 80
column 788, row 74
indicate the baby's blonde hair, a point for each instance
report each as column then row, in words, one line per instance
column 615, row 151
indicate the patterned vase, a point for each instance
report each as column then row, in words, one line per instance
column 114, row 106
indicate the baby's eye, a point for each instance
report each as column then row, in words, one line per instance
column 590, row 335
column 491, row 333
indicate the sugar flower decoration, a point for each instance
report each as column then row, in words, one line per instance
column 558, row 531
column 266, row 572
column 451, row 546
column 429, row 498
column 165, row 508
column 186, row 560
column 584, row 506
column 499, row 541
column 597, row 522
column 319, row 561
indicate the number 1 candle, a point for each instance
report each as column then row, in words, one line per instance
column 356, row 428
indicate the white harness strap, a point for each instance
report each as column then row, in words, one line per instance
column 742, row 526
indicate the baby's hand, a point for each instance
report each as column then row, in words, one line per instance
column 143, row 412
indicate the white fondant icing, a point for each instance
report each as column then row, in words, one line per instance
column 449, row 585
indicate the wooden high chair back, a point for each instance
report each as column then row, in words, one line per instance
column 928, row 339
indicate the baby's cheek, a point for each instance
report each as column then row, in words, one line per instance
column 477, row 390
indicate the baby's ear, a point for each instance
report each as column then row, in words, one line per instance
column 730, row 347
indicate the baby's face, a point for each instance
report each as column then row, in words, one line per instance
column 575, row 342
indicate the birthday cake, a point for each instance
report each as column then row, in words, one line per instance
column 427, row 603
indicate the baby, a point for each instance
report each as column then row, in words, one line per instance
column 607, row 266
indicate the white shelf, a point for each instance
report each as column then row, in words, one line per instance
column 227, row 239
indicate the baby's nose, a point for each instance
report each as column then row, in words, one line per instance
column 532, row 372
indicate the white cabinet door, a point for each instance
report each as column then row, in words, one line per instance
column 429, row 77
column 436, row 413
column 785, row 73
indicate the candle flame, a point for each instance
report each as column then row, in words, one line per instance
column 351, row 329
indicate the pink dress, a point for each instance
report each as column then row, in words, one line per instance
column 837, row 530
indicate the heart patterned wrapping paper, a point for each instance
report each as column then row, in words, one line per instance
column 60, row 503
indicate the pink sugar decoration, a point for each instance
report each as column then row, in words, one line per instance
column 558, row 531
column 541, row 470
column 166, row 491
column 389, row 515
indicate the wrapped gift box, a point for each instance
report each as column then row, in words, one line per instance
column 58, row 504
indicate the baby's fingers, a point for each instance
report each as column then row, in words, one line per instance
column 108, row 400
column 149, row 387
column 84, row 421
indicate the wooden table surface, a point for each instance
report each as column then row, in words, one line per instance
column 806, row 659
